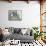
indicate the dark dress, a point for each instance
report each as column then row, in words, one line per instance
column 1, row 38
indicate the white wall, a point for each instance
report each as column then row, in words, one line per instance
column 30, row 14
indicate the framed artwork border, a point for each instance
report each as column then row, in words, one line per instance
column 14, row 15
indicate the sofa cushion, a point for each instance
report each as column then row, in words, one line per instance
column 23, row 30
column 11, row 30
column 22, row 38
column 28, row 31
column 17, row 30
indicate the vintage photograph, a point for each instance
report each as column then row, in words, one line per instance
column 14, row 15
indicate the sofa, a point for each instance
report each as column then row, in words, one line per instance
column 17, row 34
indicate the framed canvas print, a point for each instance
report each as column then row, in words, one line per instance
column 14, row 15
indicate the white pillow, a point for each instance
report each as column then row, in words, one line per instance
column 5, row 32
column 28, row 31
column 23, row 31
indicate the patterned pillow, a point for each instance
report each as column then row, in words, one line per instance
column 17, row 30
column 11, row 30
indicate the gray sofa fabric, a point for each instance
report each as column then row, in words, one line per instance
column 22, row 38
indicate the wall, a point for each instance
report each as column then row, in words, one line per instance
column 30, row 14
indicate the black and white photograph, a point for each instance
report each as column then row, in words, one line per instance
column 14, row 15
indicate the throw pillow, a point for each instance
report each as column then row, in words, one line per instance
column 17, row 30
column 23, row 30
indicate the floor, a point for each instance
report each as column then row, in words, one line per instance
column 35, row 43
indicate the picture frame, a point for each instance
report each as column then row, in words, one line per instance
column 14, row 15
